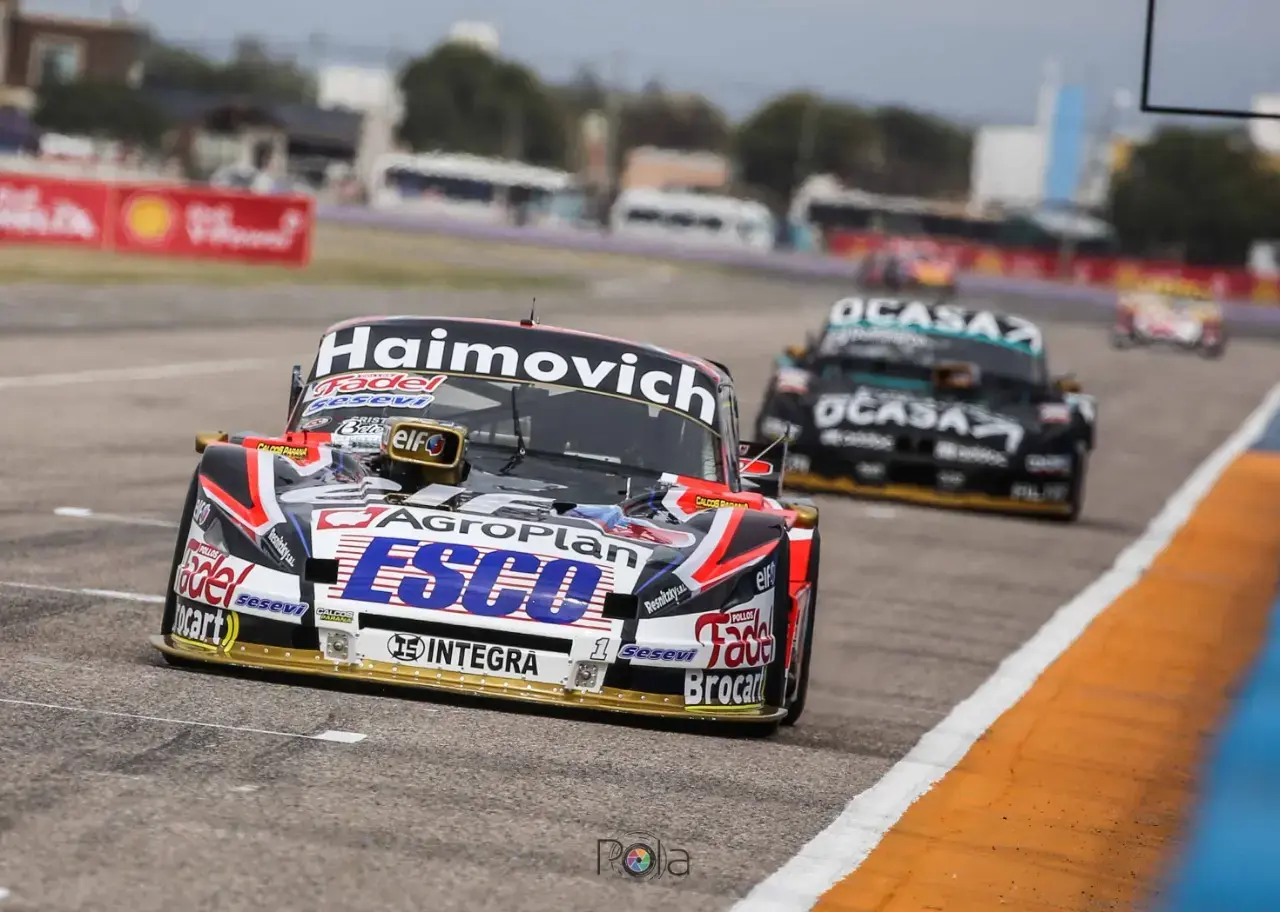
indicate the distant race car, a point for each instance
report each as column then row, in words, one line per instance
column 931, row 403
column 1174, row 314
column 509, row 510
column 908, row 265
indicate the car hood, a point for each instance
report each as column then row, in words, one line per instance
column 666, row 544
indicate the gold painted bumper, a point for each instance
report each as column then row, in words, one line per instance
column 312, row 662
column 919, row 495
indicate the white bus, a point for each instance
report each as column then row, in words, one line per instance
column 469, row 186
column 822, row 205
column 720, row 221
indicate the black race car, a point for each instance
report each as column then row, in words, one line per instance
column 931, row 403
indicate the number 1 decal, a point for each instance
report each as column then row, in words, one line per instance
column 601, row 652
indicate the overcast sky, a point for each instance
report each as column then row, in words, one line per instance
column 980, row 60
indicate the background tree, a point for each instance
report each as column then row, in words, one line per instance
column 461, row 99
column 799, row 134
column 921, row 155
column 98, row 110
column 1199, row 196
column 252, row 70
column 684, row 122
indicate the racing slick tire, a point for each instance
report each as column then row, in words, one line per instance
column 1078, row 483
column 1121, row 340
column 795, row 708
column 775, row 679
column 1212, row 352
column 170, row 596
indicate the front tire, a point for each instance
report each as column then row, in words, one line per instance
column 775, row 680
column 800, row 694
column 1078, row 483
column 179, row 548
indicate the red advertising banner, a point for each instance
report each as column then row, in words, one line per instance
column 215, row 224
column 37, row 209
column 1107, row 272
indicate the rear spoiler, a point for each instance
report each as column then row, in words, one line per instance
column 762, row 465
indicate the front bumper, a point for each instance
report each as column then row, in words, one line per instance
column 919, row 481
column 313, row 662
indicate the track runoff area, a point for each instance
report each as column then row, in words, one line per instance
column 1003, row 711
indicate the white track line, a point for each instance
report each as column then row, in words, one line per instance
column 338, row 737
column 99, row 593
column 86, row 513
column 4, row 894
column 846, row 843
column 123, row 374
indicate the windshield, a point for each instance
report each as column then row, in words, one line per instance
column 901, row 359
column 550, row 422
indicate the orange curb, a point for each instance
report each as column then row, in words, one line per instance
column 1071, row 799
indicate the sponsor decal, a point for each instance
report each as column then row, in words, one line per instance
column 482, row 581
column 206, row 626
column 279, row 549
column 245, row 601
column 1055, row 413
column 280, row 449
column 956, row 452
column 865, row 408
column 368, row 400
column 737, row 638
column 1034, row 493
column 939, row 318
column 703, row 688
column 328, row 520
column 538, row 536
column 312, row 424
column 335, row 616
column 210, row 576
column 715, row 503
column 374, row 382
column 658, row 380
column 837, row 339
column 360, row 427
column 463, row 656
column 766, row 577
column 200, row 515
column 870, row 471
column 855, row 440
column 950, row 481
column 656, row 653
column 1049, row 465
column 665, row 598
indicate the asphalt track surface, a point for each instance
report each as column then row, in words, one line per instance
column 450, row 805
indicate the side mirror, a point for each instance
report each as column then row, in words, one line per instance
column 1067, row 384
column 295, row 387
